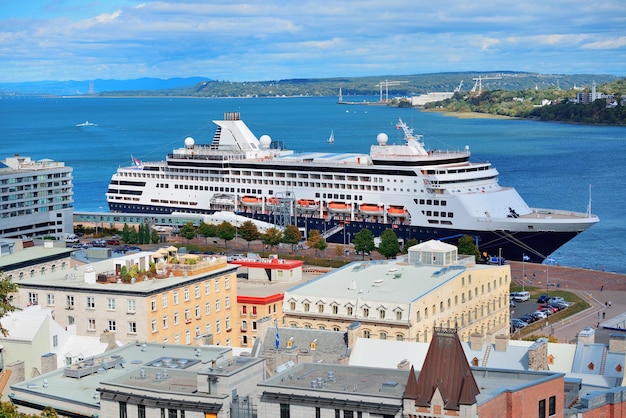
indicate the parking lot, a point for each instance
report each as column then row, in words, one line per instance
column 526, row 308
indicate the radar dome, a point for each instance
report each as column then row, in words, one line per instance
column 382, row 138
column 189, row 142
column 265, row 140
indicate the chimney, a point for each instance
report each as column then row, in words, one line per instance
column 538, row 355
column 48, row 363
column 476, row 341
column 502, row 342
column 262, row 325
column 587, row 336
column 617, row 343
column 109, row 338
column 404, row 365
column 354, row 329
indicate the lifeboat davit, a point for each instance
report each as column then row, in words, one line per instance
column 306, row 205
column 339, row 207
column 397, row 212
column 372, row 210
column 251, row 201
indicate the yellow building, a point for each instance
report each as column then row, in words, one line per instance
column 189, row 299
column 405, row 299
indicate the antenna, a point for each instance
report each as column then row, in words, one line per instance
column 589, row 204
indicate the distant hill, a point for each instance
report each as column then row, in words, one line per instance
column 72, row 88
column 392, row 85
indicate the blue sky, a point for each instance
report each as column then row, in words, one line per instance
column 280, row 39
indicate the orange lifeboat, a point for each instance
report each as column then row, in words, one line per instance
column 339, row 207
column 272, row 201
column 251, row 201
column 371, row 210
column 397, row 212
column 306, row 205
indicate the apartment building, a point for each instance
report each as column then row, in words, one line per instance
column 36, row 198
column 160, row 297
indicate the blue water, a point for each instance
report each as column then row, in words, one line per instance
column 551, row 165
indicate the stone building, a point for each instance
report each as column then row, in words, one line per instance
column 406, row 299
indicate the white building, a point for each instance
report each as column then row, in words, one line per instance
column 36, row 198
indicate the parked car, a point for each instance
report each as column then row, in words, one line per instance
column 555, row 299
column 113, row 242
column 521, row 296
column 543, row 298
column 540, row 315
column 518, row 323
column 529, row 319
column 549, row 307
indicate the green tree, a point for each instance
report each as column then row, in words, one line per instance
column 292, row 236
column 154, row 236
column 389, row 246
column 249, row 232
column 226, row 231
column 409, row 243
column 188, row 231
column 317, row 241
column 364, row 242
column 207, row 230
column 272, row 237
column 467, row 246
column 7, row 287
column 125, row 233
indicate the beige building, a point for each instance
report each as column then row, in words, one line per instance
column 186, row 299
column 405, row 299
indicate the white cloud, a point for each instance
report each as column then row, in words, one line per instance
column 250, row 40
column 616, row 43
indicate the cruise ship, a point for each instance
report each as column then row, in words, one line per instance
column 420, row 194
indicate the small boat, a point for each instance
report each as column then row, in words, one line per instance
column 252, row 201
column 306, row 205
column 339, row 207
column 372, row 210
column 397, row 212
column 331, row 138
column 86, row 123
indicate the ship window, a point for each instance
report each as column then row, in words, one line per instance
column 436, row 203
column 450, row 215
column 443, row 203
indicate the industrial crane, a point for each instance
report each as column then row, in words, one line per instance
column 387, row 83
column 478, row 82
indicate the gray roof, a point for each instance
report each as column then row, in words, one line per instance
column 121, row 366
column 381, row 280
column 330, row 346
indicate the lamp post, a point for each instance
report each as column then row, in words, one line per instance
column 549, row 261
column 524, row 259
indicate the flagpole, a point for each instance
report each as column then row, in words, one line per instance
column 523, row 271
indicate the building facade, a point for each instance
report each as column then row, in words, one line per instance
column 190, row 303
column 405, row 300
column 36, row 198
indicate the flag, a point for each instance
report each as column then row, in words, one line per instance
column 136, row 161
column 525, row 258
column 550, row 260
column 277, row 336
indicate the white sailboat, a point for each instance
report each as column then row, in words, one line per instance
column 331, row 138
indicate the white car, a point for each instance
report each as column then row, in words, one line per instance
column 540, row 314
